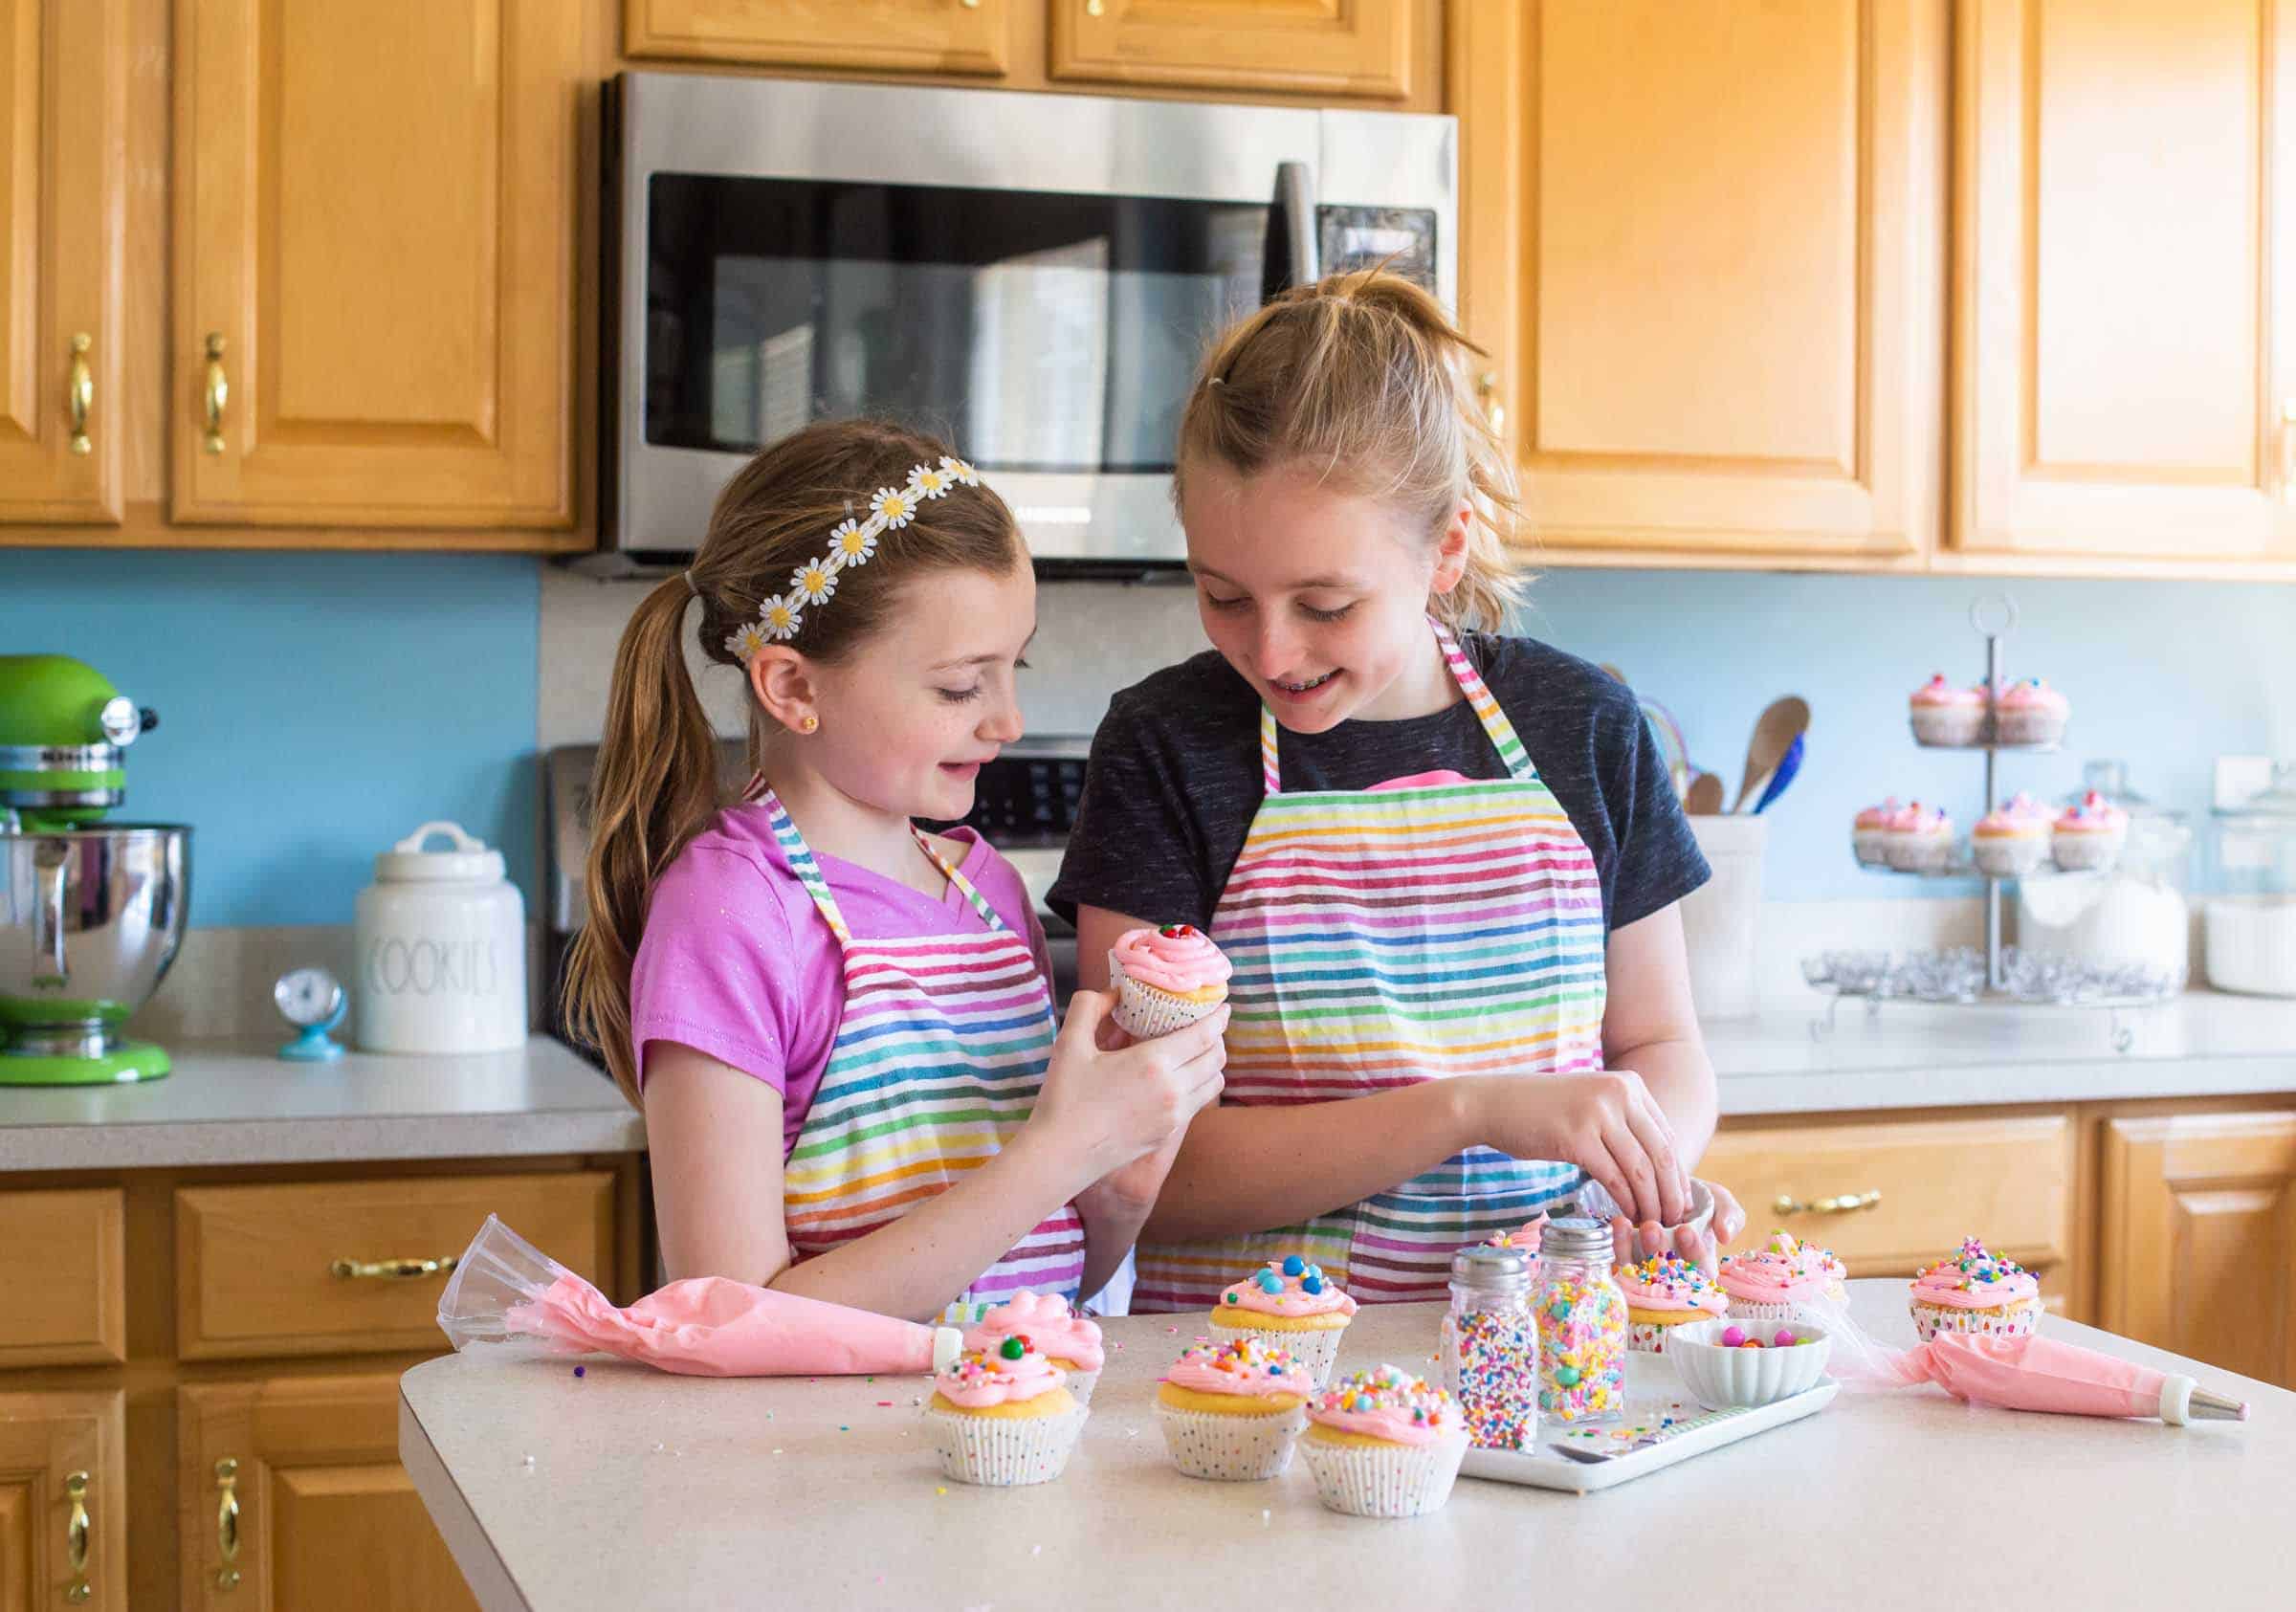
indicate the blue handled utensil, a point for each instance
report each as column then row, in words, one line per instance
column 1788, row 766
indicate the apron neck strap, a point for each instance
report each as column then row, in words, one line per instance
column 1470, row 683
column 817, row 884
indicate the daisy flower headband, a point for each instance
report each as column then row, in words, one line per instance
column 853, row 543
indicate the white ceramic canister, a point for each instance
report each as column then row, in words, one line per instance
column 442, row 950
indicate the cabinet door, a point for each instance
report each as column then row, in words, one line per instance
column 2198, row 1239
column 874, row 36
column 1712, row 318
column 290, row 1498
column 63, row 78
column 1326, row 46
column 2120, row 367
column 63, row 1514
column 374, row 241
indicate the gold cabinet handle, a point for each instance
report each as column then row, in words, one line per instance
column 219, row 392
column 1848, row 1204
column 1487, row 393
column 79, row 393
column 390, row 1270
column 227, row 1522
column 77, row 1529
column 1092, row 7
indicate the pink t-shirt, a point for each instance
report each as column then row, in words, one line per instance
column 737, row 962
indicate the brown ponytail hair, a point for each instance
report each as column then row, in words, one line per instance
column 1361, row 377
column 656, row 785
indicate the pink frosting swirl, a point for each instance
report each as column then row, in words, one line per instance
column 1918, row 819
column 1178, row 958
column 1973, row 1279
column 1279, row 1290
column 2092, row 815
column 1391, row 1404
column 2031, row 694
column 1787, row 1268
column 1938, row 692
column 1879, row 816
column 1246, row 1367
column 1669, row 1282
column 1525, row 1237
column 1045, row 1321
column 977, row 1381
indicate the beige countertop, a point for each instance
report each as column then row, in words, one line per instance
column 239, row 1103
column 646, row 1490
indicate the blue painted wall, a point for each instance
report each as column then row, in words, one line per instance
column 313, row 707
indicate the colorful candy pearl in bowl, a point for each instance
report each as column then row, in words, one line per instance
column 1724, row 1362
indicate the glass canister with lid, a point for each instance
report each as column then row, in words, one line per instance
column 1581, row 1315
column 2249, row 928
column 1491, row 1344
column 2132, row 910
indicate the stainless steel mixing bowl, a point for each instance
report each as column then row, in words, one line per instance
column 90, row 919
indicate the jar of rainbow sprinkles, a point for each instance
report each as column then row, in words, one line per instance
column 1491, row 1346
column 1581, row 1318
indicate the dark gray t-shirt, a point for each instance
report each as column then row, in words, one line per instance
column 1175, row 780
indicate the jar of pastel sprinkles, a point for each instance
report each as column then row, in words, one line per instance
column 1581, row 1318
column 1491, row 1346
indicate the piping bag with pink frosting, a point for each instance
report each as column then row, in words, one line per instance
column 507, row 1293
column 2047, row 1374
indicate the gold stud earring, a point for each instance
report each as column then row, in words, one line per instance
column 809, row 725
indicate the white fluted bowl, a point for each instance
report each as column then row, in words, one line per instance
column 1719, row 1376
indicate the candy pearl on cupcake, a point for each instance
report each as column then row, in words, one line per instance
column 1944, row 714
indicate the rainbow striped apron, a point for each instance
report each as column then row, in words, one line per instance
column 1418, row 930
column 935, row 1064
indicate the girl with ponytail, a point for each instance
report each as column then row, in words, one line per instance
column 840, row 1027
column 1444, row 861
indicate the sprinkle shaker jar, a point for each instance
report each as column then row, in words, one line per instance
column 1581, row 1317
column 1491, row 1346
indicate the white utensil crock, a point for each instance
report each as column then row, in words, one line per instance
column 442, row 950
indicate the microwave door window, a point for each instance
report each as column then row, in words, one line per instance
column 1038, row 332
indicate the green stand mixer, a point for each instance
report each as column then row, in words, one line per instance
column 91, row 912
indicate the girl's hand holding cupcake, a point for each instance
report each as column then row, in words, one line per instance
column 1115, row 1106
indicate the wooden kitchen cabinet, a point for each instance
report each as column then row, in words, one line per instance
column 291, row 1495
column 1345, row 47
column 1702, row 244
column 63, row 1468
column 2123, row 373
column 872, row 35
column 2197, row 1240
column 373, row 263
column 64, row 71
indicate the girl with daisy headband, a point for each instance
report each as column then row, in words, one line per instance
column 839, row 1025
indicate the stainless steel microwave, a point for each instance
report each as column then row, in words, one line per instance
column 1031, row 277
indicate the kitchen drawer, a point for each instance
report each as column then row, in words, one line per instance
column 2009, row 1181
column 62, row 1264
column 266, row 1270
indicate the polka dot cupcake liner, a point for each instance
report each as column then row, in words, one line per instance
column 1144, row 1013
column 1314, row 1351
column 1005, row 1452
column 1648, row 1338
column 1385, row 1480
column 1231, row 1448
column 1079, row 1383
column 2012, row 1321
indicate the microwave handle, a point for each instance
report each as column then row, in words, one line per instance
column 1290, row 260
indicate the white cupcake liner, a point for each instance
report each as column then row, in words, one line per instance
column 1931, row 1319
column 1909, row 853
column 1650, row 1338
column 1315, row 1352
column 1817, row 1312
column 1230, row 1448
column 2074, row 853
column 2028, row 727
column 1385, row 1480
column 1005, row 1452
column 1952, row 726
column 1145, row 1013
column 2009, row 858
column 1080, row 1383
column 1870, row 846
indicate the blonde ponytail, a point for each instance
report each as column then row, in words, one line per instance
column 1363, row 377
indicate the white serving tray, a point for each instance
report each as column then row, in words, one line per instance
column 1654, row 1393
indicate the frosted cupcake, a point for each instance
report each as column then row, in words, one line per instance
column 2090, row 835
column 1945, row 714
column 2012, row 839
column 1069, row 1341
column 2030, row 711
column 1784, row 1280
column 1663, row 1292
column 1384, row 1443
column 1869, row 832
column 1004, row 1417
column 1972, row 1291
column 1921, row 840
column 1165, row 978
column 1230, row 1411
column 1287, row 1305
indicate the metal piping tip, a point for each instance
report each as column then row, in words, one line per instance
column 2216, row 1408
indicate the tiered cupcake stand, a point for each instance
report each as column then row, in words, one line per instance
column 2002, row 978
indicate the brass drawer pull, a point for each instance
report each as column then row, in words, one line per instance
column 79, row 393
column 218, row 390
column 390, row 1270
column 226, row 1523
column 1848, row 1204
column 77, row 1529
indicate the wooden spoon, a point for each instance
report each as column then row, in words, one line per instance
column 1774, row 730
column 1704, row 798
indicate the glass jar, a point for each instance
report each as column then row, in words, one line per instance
column 2135, row 912
column 1491, row 1346
column 1581, row 1325
column 2250, row 928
